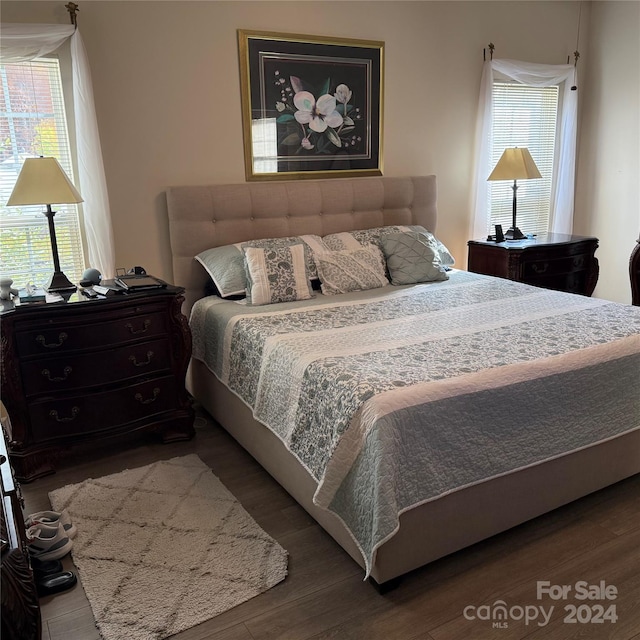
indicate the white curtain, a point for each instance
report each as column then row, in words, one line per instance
column 24, row 42
column 536, row 75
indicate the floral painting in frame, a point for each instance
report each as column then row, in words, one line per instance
column 312, row 106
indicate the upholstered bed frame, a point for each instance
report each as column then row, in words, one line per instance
column 202, row 217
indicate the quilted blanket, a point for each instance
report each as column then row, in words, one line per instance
column 397, row 396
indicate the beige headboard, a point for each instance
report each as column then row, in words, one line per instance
column 201, row 217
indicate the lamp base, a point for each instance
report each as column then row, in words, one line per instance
column 514, row 234
column 59, row 283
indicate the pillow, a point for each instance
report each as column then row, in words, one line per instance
column 225, row 265
column 357, row 270
column 445, row 256
column 355, row 239
column 351, row 239
column 308, row 242
column 412, row 258
column 276, row 274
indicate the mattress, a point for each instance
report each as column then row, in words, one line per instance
column 398, row 396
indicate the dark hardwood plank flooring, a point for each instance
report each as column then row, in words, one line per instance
column 324, row 596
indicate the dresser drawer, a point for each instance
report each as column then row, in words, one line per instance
column 84, row 415
column 74, row 371
column 551, row 267
column 569, row 282
column 89, row 335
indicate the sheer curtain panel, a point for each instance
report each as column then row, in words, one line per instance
column 563, row 183
column 24, row 42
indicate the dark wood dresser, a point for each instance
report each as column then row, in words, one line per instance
column 552, row 260
column 82, row 369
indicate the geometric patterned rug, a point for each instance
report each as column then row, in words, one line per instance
column 165, row 547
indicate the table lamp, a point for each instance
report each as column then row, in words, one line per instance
column 43, row 181
column 515, row 164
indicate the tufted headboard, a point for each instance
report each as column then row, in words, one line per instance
column 202, row 217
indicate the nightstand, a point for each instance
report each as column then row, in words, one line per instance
column 84, row 369
column 551, row 260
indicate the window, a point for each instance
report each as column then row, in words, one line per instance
column 524, row 116
column 264, row 135
column 33, row 123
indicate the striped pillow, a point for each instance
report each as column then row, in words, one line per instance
column 276, row 274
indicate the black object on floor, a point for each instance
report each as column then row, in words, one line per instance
column 43, row 568
column 55, row 583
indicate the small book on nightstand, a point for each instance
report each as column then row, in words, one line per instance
column 135, row 283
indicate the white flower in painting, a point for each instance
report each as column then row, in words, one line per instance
column 318, row 115
column 280, row 106
column 306, row 143
column 343, row 93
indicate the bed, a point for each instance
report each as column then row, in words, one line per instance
column 432, row 450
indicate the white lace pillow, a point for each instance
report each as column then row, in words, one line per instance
column 276, row 274
column 356, row 270
column 360, row 237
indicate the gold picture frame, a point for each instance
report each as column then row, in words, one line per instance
column 311, row 106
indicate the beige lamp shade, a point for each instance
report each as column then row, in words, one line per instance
column 515, row 164
column 43, row 181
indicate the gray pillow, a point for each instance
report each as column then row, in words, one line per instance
column 445, row 255
column 411, row 257
column 225, row 266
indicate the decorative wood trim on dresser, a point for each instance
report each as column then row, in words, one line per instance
column 552, row 260
column 84, row 369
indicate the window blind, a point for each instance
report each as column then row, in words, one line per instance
column 524, row 116
column 33, row 123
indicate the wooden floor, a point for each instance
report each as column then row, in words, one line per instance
column 324, row 596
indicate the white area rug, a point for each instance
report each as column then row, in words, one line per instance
column 165, row 547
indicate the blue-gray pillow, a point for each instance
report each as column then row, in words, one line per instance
column 445, row 255
column 411, row 258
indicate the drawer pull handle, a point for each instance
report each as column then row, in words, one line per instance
column 142, row 363
column 145, row 325
column 156, row 393
column 540, row 268
column 47, row 374
column 74, row 414
column 62, row 336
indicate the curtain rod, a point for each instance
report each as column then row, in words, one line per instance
column 576, row 54
column 73, row 8
column 484, row 51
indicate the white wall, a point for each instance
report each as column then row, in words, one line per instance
column 607, row 202
column 167, row 93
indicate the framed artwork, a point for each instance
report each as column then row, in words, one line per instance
column 311, row 106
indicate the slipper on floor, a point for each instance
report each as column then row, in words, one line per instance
column 55, row 583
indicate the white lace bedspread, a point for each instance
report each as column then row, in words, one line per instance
column 394, row 397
